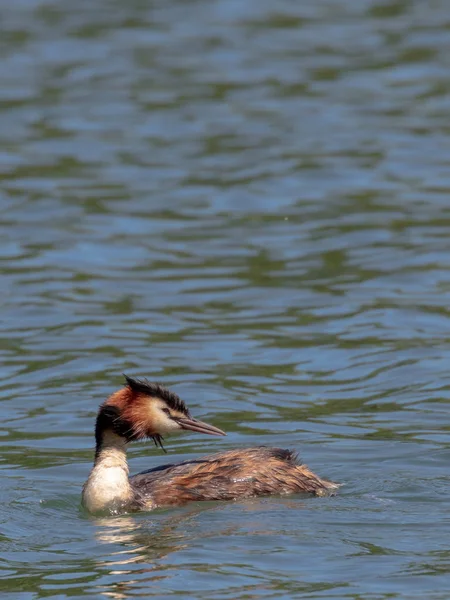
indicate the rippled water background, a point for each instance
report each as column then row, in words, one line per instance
column 249, row 201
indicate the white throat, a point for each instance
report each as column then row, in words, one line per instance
column 108, row 487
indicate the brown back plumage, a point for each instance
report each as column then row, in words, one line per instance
column 229, row 475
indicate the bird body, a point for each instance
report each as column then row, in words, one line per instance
column 143, row 409
column 231, row 475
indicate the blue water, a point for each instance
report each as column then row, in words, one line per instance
column 248, row 201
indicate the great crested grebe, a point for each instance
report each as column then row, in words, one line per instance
column 149, row 410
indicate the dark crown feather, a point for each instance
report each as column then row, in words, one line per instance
column 157, row 390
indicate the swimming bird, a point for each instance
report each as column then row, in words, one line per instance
column 143, row 410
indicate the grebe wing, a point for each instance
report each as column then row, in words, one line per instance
column 229, row 475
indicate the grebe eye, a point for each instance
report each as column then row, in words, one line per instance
column 167, row 411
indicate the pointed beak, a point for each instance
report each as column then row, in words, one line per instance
column 199, row 426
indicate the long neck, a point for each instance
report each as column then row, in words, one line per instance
column 108, row 487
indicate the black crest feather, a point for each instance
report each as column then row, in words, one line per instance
column 157, row 390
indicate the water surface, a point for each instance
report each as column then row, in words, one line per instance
column 248, row 201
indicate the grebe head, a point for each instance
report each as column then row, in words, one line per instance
column 146, row 410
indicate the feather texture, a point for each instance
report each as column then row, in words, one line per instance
column 245, row 473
